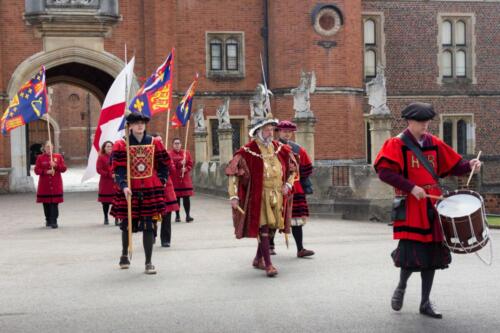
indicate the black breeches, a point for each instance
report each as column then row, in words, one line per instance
column 51, row 211
column 186, row 201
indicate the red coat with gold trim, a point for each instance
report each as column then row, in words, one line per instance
column 250, row 170
column 107, row 187
column 50, row 188
column 397, row 157
column 183, row 185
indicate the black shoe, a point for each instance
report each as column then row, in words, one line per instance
column 397, row 299
column 428, row 309
column 106, row 222
column 165, row 244
column 177, row 219
column 150, row 269
column 54, row 225
column 124, row 262
column 117, row 222
column 47, row 224
column 189, row 219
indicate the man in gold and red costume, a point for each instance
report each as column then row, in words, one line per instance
column 261, row 177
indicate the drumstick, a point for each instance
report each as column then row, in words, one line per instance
column 241, row 210
column 473, row 168
column 440, row 197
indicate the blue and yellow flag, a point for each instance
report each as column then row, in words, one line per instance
column 183, row 112
column 29, row 104
column 155, row 95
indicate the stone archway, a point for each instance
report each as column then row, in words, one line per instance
column 56, row 63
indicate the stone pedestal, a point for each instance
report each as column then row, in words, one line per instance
column 305, row 134
column 380, row 131
column 225, row 144
column 200, row 146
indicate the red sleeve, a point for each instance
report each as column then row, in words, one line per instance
column 189, row 161
column 119, row 155
column 102, row 167
column 39, row 169
column 390, row 156
column 305, row 167
column 447, row 157
column 61, row 167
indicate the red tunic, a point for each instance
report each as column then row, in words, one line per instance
column 150, row 189
column 170, row 197
column 183, row 185
column 50, row 188
column 107, row 187
column 397, row 157
column 300, row 207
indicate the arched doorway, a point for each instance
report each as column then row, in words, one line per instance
column 91, row 70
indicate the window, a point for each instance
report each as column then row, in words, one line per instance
column 215, row 54
column 373, row 43
column 225, row 55
column 456, row 48
column 239, row 135
column 458, row 132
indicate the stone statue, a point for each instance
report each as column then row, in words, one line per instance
column 377, row 93
column 259, row 103
column 223, row 115
column 301, row 95
column 199, row 119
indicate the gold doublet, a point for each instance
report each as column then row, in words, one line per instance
column 272, row 196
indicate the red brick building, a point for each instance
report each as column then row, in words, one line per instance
column 444, row 52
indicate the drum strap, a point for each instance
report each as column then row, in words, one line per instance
column 420, row 156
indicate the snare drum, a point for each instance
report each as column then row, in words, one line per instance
column 463, row 220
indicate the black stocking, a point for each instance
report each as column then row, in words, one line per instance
column 105, row 209
column 148, row 238
column 124, row 243
column 187, row 205
column 297, row 235
column 427, row 280
column 403, row 278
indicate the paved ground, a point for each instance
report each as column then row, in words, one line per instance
column 67, row 280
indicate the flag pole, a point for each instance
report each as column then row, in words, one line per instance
column 185, row 148
column 168, row 125
column 50, row 138
column 127, row 141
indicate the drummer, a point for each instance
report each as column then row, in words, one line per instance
column 420, row 247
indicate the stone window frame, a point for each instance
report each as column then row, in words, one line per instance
column 224, row 37
column 379, row 47
column 469, row 48
column 243, row 133
column 455, row 118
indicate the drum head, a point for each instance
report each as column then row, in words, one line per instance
column 458, row 205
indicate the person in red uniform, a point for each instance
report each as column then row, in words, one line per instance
column 420, row 247
column 149, row 173
column 106, row 182
column 303, row 186
column 50, row 184
column 171, row 205
column 181, row 178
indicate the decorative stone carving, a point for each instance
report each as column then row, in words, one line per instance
column 223, row 115
column 377, row 93
column 259, row 103
column 199, row 119
column 301, row 95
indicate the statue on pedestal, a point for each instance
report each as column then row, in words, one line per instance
column 302, row 95
column 377, row 94
column 199, row 119
column 223, row 115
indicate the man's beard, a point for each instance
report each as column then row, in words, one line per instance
column 266, row 141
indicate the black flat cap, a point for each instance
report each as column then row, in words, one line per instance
column 136, row 116
column 418, row 111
